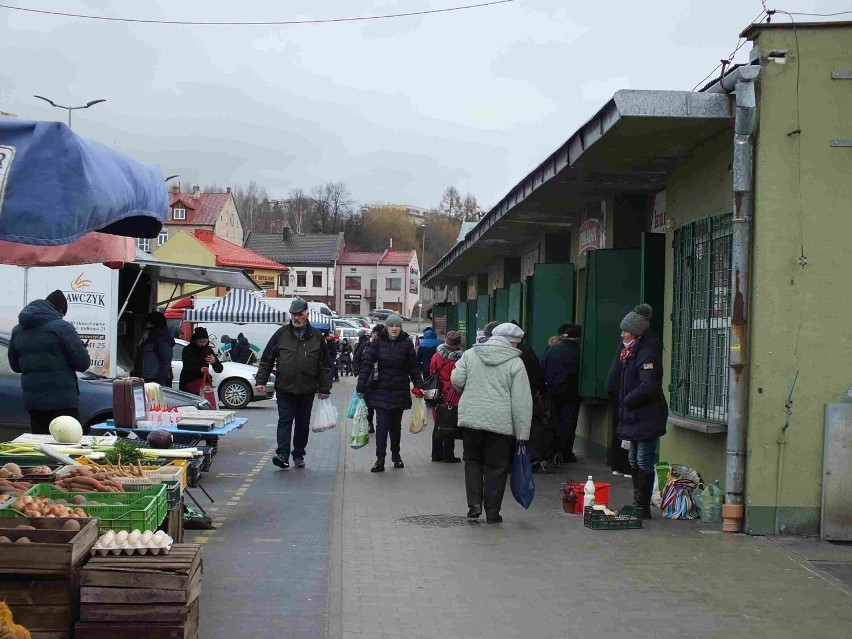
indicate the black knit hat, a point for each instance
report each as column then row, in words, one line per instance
column 378, row 328
column 200, row 333
column 58, row 301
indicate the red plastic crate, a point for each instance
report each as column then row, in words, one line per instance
column 601, row 495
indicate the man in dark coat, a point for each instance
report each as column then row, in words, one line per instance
column 48, row 353
column 561, row 368
column 389, row 393
column 642, row 407
column 299, row 354
column 531, row 364
column 241, row 350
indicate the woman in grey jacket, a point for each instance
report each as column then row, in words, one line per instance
column 494, row 411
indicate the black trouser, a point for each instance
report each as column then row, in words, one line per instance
column 371, row 413
column 487, row 457
column 617, row 455
column 567, row 413
column 443, row 446
column 40, row 419
column 388, row 422
column 293, row 408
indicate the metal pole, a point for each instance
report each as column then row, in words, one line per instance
column 738, row 375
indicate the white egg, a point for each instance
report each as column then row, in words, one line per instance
column 146, row 537
column 121, row 536
column 133, row 537
column 124, row 545
column 137, row 532
column 159, row 534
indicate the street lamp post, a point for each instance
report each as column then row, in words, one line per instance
column 420, row 281
column 69, row 109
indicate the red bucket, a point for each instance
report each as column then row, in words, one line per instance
column 601, row 495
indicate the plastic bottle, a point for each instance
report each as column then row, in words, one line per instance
column 589, row 493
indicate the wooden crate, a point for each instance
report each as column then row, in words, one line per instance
column 52, row 551
column 139, row 630
column 147, row 597
column 173, row 524
column 45, row 605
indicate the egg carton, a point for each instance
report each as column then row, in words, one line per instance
column 139, row 549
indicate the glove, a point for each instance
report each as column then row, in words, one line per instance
column 417, row 392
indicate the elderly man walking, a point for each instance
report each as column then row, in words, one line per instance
column 299, row 353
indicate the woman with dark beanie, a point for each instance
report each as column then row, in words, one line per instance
column 443, row 362
column 642, row 407
column 197, row 355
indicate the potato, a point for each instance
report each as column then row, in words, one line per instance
column 23, row 540
column 5, row 540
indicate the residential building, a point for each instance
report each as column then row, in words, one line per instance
column 312, row 261
column 202, row 248
column 390, row 279
column 726, row 209
column 415, row 214
column 215, row 212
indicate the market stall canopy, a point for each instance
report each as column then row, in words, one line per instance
column 92, row 248
column 237, row 307
column 55, row 187
column 209, row 276
column 319, row 321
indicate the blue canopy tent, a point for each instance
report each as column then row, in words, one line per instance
column 55, row 187
column 237, row 307
column 319, row 321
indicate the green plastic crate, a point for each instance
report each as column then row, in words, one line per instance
column 628, row 517
column 142, row 509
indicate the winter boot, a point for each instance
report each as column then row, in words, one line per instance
column 646, row 488
column 636, row 484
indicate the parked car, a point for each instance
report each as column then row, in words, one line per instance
column 95, row 398
column 349, row 334
column 381, row 314
column 363, row 322
column 235, row 385
column 342, row 322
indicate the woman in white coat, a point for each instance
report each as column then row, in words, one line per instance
column 495, row 411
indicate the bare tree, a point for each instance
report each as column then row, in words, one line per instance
column 470, row 209
column 298, row 204
column 451, row 202
column 339, row 201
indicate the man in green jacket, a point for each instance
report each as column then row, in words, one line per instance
column 298, row 352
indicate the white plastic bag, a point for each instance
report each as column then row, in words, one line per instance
column 418, row 416
column 359, row 435
column 325, row 416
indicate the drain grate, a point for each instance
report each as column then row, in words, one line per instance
column 439, row 521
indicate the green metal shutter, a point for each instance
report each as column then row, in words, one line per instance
column 514, row 303
column 501, row 305
column 552, row 302
column 461, row 320
column 612, row 288
column 483, row 303
column 471, row 323
column 653, row 276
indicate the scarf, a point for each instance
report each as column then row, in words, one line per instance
column 449, row 353
column 627, row 352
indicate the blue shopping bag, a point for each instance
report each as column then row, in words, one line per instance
column 523, row 484
column 353, row 404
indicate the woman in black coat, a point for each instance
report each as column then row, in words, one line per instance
column 642, row 407
column 197, row 355
column 392, row 356
column 154, row 358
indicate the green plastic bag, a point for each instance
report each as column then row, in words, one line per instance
column 359, row 435
column 708, row 498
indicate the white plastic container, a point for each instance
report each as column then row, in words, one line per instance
column 589, row 493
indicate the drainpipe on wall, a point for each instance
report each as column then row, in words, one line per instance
column 741, row 82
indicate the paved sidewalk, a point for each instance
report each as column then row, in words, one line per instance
column 542, row 574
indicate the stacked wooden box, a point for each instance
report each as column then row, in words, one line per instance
column 143, row 597
column 38, row 580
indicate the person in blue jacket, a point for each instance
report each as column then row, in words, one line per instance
column 427, row 348
column 48, row 353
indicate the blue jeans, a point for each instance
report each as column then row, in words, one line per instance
column 643, row 455
column 293, row 408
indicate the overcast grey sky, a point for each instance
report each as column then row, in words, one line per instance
column 397, row 109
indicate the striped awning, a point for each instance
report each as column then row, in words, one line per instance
column 238, row 307
column 318, row 320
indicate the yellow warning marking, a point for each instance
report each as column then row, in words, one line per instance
column 202, row 540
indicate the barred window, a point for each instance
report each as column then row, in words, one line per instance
column 701, row 319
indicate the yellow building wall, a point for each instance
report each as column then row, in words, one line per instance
column 182, row 248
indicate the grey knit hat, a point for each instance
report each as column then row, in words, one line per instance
column 637, row 321
column 393, row 320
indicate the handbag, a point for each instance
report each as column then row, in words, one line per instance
column 447, row 419
column 208, row 391
column 432, row 387
column 522, row 482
